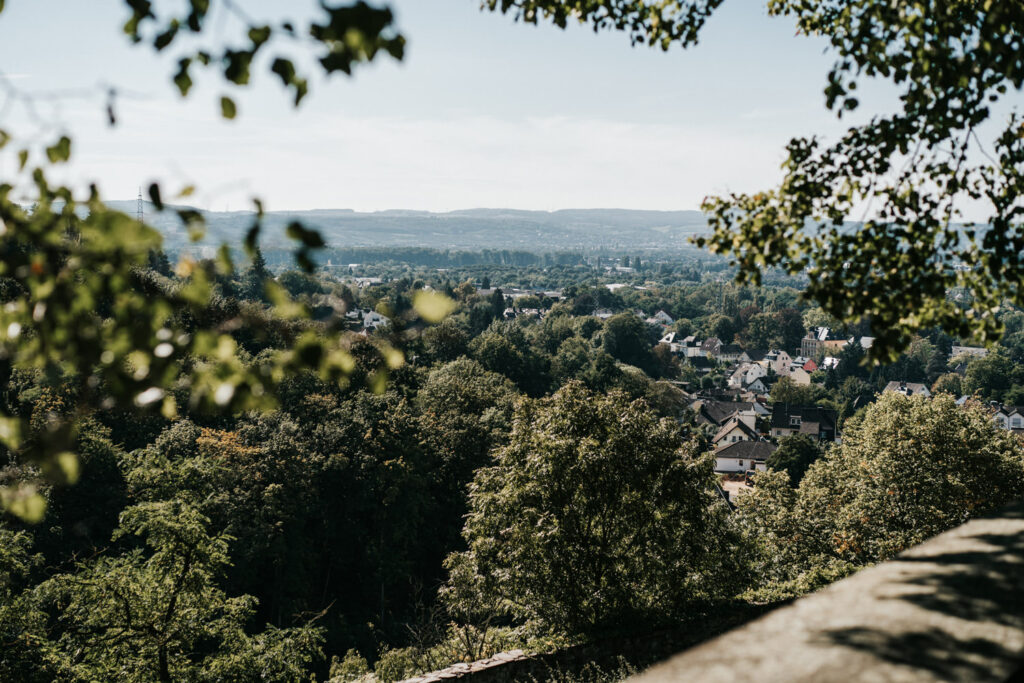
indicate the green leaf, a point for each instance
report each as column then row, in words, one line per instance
column 432, row 306
column 154, row 196
column 22, row 159
column 259, row 35
column 59, row 151
column 309, row 238
column 182, row 79
column 227, row 108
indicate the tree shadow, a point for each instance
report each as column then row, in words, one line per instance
column 970, row 596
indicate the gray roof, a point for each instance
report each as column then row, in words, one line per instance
column 747, row 450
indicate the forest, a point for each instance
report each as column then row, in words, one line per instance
column 476, row 483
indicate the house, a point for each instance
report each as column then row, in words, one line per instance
column 603, row 313
column 800, row 376
column 745, row 374
column 829, row 363
column 779, row 361
column 908, row 389
column 374, row 320
column 758, row 387
column 371, row 319
column 735, row 429
column 669, row 339
column 978, row 351
column 1010, row 417
column 820, row 340
column 729, row 353
column 743, row 455
column 662, row 318
column 711, row 346
column 804, row 362
column 718, row 413
column 690, row 347
column 814, row 421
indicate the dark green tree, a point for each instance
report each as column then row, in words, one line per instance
column 794, row 455
column 592, row 516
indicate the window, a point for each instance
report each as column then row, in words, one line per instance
column 794, row 421
column 741, row 464
column 1015, row 422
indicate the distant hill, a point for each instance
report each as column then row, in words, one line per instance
column 471, row 229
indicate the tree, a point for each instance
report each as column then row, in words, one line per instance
column 628, row 339
column 948, row 383
column 785, row 390
column 794, row 455
column 255, row 277
column 989, row 376
column 762, row 332
column 593, row 514
column 445, row 342
column 157, row 613
column 27, row 655
column 907, row 468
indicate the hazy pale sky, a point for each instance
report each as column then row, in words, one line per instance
column 483, row 112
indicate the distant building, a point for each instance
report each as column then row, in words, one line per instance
column 717, row 413
column 745, row 374
column 779, row 361
column 907, row 389
column 814, row 421
column 978, row 351
column 735, row 429
column 729, row 353
column 820, row 340
column 690, row 346
column 1010, row 417
column 663, row 318
column 800, row 376
column 711, row 347
column 743, row 455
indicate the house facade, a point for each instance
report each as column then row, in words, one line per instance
column 814, row 421
column 743, row 455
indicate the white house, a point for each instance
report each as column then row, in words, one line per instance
column 907, row 389
column 978, row 351
column 374, row 320
column 779, row 361
column 757, row 387
column 662, row 318
column 746, row 373
column 799, row 376
column 743, row 455
column 733, row 431
column 1010, row 417
column 690, row 347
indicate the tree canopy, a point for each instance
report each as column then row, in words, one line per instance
column 592, row 514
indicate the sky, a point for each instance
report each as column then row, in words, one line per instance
column 482, row 112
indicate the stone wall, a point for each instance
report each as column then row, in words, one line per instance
column 609, row 654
